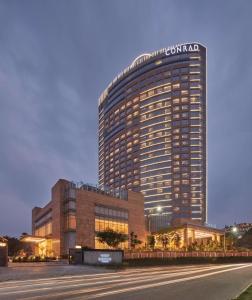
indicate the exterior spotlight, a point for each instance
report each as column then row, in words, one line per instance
column 159, row 208
column 234, row 229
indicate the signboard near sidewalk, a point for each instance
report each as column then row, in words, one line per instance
column 95, row 257
column 103, row 257
column 3, row 252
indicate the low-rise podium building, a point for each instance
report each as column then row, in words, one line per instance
column 193, row 234
column 77, row 211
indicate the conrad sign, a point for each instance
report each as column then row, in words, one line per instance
column 182, row 49
column 172, row 50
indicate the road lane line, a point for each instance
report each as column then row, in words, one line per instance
column 120, row 291
column 123, row 278
column 93, row 276
column 131, row 271
column 132, row 281
column 118, row 275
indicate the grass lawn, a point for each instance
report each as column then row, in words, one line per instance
column 246, row 295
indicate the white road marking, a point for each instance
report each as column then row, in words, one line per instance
column 146, row 286
column 116, row 275
column 144, row 278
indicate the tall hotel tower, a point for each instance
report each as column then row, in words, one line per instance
column 152, row 134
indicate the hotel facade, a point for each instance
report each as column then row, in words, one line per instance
column 77, row 212
column 152, row 134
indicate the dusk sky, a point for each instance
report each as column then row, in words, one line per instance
column 56, row 57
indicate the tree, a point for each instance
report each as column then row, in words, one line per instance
column 15, row 246
column 151, row 241
column 246, row 240
column 164, row 239
column 111, row 238
column 175, row 237
column 231, row 240
column 134, row 241
column 169, row 237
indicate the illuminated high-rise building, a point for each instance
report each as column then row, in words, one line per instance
column 152, row 134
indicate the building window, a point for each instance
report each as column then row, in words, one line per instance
column 102, row 224
column 70, row 221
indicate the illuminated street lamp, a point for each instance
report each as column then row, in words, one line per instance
column 234, row 229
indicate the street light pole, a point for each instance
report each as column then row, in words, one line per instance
column 224, row 242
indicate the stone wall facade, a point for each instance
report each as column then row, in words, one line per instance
column 84, row 211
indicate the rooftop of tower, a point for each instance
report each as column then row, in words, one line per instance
column 143, row 58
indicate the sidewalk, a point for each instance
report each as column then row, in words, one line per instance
column 23, row 271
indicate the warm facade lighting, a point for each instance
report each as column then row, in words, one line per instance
column 161, row 98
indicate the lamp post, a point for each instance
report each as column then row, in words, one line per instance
column 233, row 230
column 224, row 242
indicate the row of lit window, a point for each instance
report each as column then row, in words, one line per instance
column 184, row 77
column 162, row 171
column 150, row 103
column 177, row 146
column 154, row 154
column 175, row 93
column 123, row 138
column 156, row 75
column 101, row 224
column 43, row 219
column 168, row 87
column 44, row 230
column 164, row 126
column 130, row 182
column 70, row 221
column 155, row 179
column 111, row 212
column 125, row 108
column 155, row 184
column 123, row 174
column 155, row 141
column 155, row 106
column 192, row 122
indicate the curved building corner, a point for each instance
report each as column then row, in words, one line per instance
column 152, row 134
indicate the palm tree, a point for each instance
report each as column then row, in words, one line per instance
column 151, row 241
column 164, row 239
column 176, row 239
column 134, row 241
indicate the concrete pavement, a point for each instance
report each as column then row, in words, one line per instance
column 204, row 282
column 21, row 271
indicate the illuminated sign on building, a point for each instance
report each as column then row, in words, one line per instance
column 181, row 49
column 105, row 258
column 177, row 49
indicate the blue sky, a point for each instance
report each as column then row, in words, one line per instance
column 56, row 57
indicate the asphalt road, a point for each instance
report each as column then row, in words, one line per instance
column 204, row 282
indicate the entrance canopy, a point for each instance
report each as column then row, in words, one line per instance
column 32, row 239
